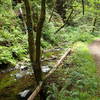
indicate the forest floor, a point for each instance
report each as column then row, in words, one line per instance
column 95, row 51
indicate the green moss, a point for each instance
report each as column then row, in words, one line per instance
column 10, row 89
column 6, row 81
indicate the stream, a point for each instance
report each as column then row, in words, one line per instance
column 18, row 81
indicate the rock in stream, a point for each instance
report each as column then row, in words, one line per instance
column 24, row 95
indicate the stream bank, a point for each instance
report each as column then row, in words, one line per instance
column 21, row 77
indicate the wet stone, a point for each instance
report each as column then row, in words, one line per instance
column 24, row 95
column 23, row 68
column 45, row 68
column 17, row 66
column 18, row 76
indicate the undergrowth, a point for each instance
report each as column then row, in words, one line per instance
column 13, row 40
column 77, row 80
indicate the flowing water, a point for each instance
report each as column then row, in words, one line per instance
column 21, row 77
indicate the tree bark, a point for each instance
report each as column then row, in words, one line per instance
column 38, row 39
column 23, row 20
column 31, row 42
column 51, row 14
column 60, row 9
column 94, row 23
column 83, row 6
column 53, row 9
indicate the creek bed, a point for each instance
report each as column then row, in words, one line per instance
column 15, row 81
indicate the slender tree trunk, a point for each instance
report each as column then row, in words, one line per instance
column 83, row 6
column 20, row 13
column 31, row 42
column 51, row 14
column 53, row 9
column 23, row 20
column 38, row 45
column 60, row 9
column 38, row 36
column 94, row 23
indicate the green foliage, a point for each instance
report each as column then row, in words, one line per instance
column 76, row 83
column 81, row 81
column 74, row 34
column 11, row 30
column 13, row 42
column 45, row 44
column 48, row 33
column 82, row 58
column 6, row 56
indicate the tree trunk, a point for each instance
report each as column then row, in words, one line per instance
column 39, row 87
column 83, row 6
column 51, row 14
column 23, row 20
column 31, row 42
column 61, row 10
column 38, row 38
column 38, row 46
column 94, row 23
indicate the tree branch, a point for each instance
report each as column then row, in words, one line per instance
column 65, row 22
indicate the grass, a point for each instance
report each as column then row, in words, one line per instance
column 78, row 81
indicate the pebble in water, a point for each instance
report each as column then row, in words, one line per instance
column 45, row 69
column 18, row 76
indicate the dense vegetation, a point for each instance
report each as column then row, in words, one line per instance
column 77, row 80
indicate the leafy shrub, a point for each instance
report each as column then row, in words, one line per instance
column 12, row 40
column 6, row 57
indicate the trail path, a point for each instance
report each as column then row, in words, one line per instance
column 95, row 51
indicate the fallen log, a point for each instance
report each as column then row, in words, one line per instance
column 38, row 89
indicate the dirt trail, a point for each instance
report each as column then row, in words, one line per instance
column 95, row 51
